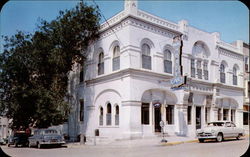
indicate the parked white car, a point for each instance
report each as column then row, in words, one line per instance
column 219, row 130
column 43, row 137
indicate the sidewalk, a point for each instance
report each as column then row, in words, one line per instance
column 148, row 141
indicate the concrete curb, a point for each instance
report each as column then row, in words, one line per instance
column 179, row 142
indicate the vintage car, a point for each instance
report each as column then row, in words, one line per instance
column 219, row 130
column 44, row 137
column 18, row 138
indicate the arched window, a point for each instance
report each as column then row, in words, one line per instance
column 116, row 58
column 234, row 76
column 101, row 64
column 101, row 116
column 117, row 115
column 205, row 70
column 146, row 58
column 167, row 61
column 108, row 115
column 222, row 74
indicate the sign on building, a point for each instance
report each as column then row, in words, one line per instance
column 178, row 80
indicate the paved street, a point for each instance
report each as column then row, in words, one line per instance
column 228, row 148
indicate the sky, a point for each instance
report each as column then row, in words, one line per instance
column 229, row 18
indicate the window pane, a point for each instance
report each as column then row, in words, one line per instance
column 145, row 113
column 146, row 62
column 189, row 114
column 193, row 72
column 168, row 66
column 116, row 63
column 81, row 76
column 233, row 115
column 222, row 77
column 219, row 114
column 234, row 80
column 167, row 55
column 81, row 110
column 206, row 74
column 108, row 119
column 192, row 63
column 225, row 114
column 100, row 68
column 117, row 115
column 145, row 50
column 199, row 72
column 170, row 114
column 245, row 118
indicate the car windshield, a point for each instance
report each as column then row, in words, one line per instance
column 50, row 132
column 215, row 124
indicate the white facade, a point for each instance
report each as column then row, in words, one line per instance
column 135, row 87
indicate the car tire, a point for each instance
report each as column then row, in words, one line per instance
column 201, row 140
column 15, row 144
column 238, row 137
column 29, row 145
column 8, row 145
column 39, row 146
column 219, row 137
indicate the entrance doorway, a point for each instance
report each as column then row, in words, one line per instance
column 157, row 119
column 198, row 117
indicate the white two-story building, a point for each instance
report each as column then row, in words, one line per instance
column 125, row 90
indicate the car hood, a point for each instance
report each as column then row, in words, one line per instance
column 207, row 129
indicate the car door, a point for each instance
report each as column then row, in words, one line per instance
column 228, row 131
column 235, row 130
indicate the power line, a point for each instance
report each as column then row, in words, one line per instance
column 106, row 21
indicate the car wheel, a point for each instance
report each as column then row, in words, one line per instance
column 39, row 146
column 219, row 137
column 201, row 140
column 29, row 145
column 238, row 137
column 15, row 143
column 8, row 145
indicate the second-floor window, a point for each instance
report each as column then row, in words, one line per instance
column 199, row 70
column 222, row 74
column 205, row 70
column 192, row 68
column 101, row 64
column 167, row 62
column 234, row 76
column 146, row 58
column 116, row 58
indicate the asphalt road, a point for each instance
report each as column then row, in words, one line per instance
column 228, row 148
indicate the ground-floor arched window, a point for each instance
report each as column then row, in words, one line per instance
column 117, row 115
column 108, row 115
column 101, row 116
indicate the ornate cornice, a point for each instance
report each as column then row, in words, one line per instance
column 231, row 54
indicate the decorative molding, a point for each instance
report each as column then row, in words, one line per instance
column 231, row 54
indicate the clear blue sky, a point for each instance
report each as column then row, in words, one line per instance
column 230, row 18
